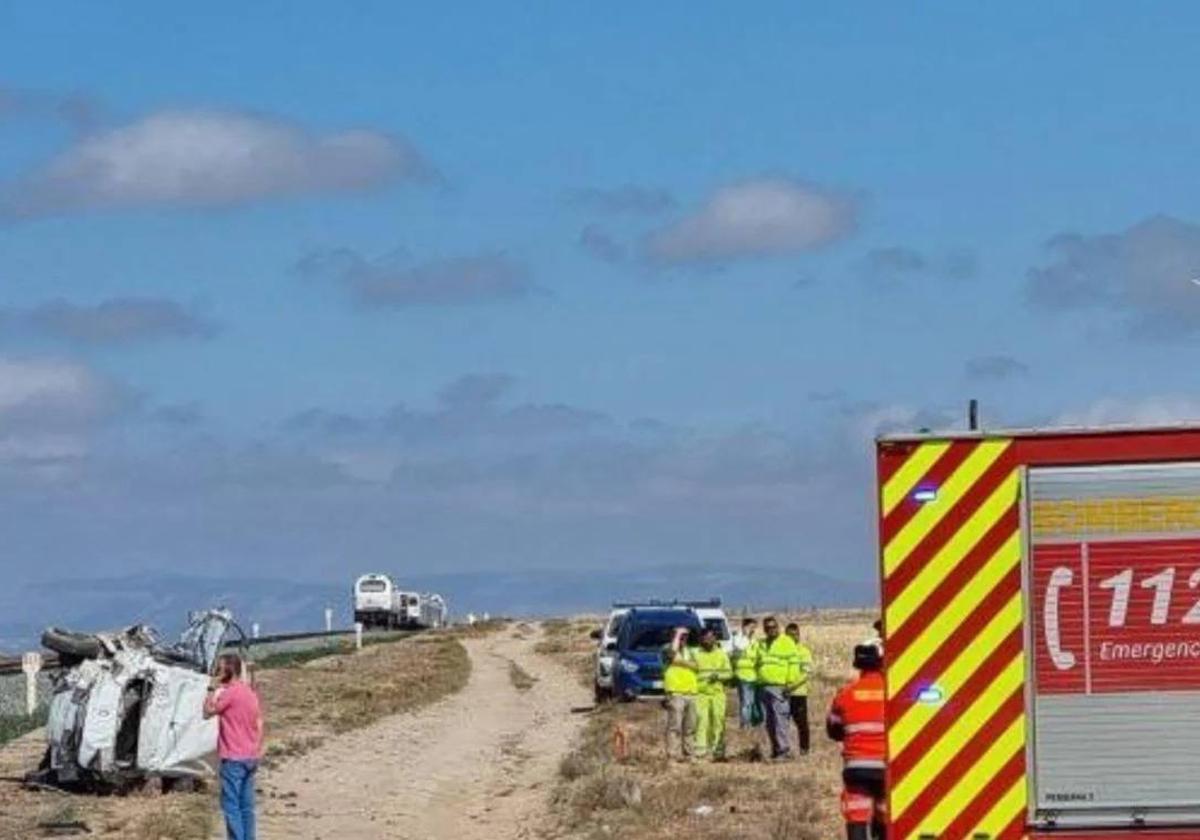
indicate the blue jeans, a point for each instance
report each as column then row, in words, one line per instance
column 237, row 798
column 747, row 702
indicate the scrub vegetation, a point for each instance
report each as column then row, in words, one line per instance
column 14, row 726
column 519, row 677
column 291, row 659
column 616, row 781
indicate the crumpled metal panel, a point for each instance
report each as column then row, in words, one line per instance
column 175, row 738
column 101, row 720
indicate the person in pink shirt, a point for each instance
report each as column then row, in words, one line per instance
column 239, row 743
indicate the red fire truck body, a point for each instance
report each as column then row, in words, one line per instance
column 1041, row 596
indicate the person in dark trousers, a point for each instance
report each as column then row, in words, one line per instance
column 856, row 720
column 777, row 661
column 239, row 744
column 798, row 686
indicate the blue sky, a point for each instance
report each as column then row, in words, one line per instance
column 689, row 260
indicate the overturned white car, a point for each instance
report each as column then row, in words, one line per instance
column 127, row 706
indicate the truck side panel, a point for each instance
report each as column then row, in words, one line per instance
column 953, row 617
column 951, row 549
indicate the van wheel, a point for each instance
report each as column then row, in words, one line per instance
column 602, row 695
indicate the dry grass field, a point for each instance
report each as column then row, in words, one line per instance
column 595, row 790
column 305, row 702
column 646, row 796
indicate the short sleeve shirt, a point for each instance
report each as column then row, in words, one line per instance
column 239, row 711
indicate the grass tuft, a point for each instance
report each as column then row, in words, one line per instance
column 519, row 677
column 14, row 726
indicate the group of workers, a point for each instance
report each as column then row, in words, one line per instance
column 772, row 676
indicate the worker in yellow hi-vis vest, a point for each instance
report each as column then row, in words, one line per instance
column 777, row 659
column 713, row 672
column 745, row 671
column 802, row 667
column 680, row 684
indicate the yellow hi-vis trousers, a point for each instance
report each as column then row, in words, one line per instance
column 710, row 728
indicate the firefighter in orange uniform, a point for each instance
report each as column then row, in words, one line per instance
column 856, row 720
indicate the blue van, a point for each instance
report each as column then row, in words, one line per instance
column 645, row 631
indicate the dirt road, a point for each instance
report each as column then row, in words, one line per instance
column 479, row 764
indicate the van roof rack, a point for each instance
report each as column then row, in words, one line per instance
column 712, row 603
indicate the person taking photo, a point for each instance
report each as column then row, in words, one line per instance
column 239, row 743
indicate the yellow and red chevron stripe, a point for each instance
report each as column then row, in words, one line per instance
column 953, row 613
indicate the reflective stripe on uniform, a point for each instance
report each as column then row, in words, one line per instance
column 865, row 764
column 857, row 808
column 863, row 727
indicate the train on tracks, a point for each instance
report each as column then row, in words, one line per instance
column 380, row 602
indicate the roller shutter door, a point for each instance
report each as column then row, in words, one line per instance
column 1113, row 570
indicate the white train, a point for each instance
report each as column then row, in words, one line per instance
column 379, row 602
column 434, row 612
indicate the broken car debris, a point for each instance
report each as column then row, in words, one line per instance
column 128, row 706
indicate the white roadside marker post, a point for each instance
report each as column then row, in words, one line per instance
column 254, row 630
column 31, row 664
column 358, row 628
column 328, row 620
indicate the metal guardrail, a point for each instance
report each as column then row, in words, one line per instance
column 12, row 664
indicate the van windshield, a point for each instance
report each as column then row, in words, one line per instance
column 651, row 636
column 372, row 586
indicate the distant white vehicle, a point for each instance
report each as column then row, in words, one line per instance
column 713, row 617
column 408, row 605
column 606, row 653
column 379, row 602
column 433, row 610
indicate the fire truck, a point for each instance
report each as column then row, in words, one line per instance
column 1041, row 597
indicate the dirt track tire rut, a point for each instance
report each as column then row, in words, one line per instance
column 479, row 764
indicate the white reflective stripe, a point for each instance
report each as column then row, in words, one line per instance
column 835, row 718
column 874, row 727
column 873, row 763
column 859, row 802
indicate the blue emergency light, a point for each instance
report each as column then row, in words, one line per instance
column 925, row 495
column 931, row 695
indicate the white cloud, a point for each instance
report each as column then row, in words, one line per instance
column 1162, row 410
column 762, row 217
column 51, row 385
column 1145, row 277
column 49, row 409
column 209, row 158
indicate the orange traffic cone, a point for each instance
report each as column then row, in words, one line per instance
column 620, row 743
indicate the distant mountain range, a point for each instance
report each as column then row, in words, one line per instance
column 281, row 605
